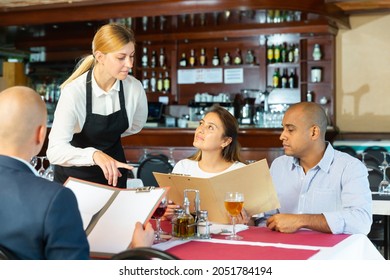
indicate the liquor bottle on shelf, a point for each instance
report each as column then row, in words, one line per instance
column 153, row 82
column 226, row 59
column 237, row 57
column 153, row 59
column 277, row 53
column 296, row 54
column 144, row 59
column 292, row 79
column 250, row 58
column 166, row 83
column 283, row 52
column 145, row 81
column 160, row 83
column 162, row 58
column 215, row 60
column 276, row 78
column 183, row 60
column 284, row 79
column 202, row 57
column 270, row 54
column 317, row 52
column 144, row 23
column 290, row 53
column 309, row 96
column 192, row 59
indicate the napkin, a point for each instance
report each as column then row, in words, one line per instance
column 226, row 229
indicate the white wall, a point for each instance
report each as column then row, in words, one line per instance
column 363, row 75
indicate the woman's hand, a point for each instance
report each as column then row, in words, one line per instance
column 142, row 237
column 243, row 218
column 170, row 210
column 110, row 167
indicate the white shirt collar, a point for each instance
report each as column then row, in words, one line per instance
column 99, row 92
column 28, row 164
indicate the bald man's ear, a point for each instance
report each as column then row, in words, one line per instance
column 315, row 132
column 40, row 136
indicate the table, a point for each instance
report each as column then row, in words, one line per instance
column 381, row 206
column 263, row 244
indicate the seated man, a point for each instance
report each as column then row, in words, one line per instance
column 39, row 219
column 318, row 187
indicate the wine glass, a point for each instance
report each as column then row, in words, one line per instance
column 49, row 173
column 34, row 161
column 144, row 155
column 384, row 184
column 41, row 170
column 171, row 159
column 234, row 201
column 384, row 163
column 158, row 213
column 368, row 168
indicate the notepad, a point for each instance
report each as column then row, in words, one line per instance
column 109, row 214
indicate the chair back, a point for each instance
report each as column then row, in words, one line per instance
column 346, row 149
column 376, row 152
column 5, row 254
column 153, row 163
column 144, row 253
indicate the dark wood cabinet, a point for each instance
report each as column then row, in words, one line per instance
column 229, row 31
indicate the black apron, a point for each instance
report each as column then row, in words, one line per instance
column 102, row 133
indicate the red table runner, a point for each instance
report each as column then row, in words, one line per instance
column 196, row 250
column 302, row 237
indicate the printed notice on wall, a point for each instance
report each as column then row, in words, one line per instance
column 186, row 76
column 201, row 75
column 234, row 76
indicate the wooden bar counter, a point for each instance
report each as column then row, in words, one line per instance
column 256, row 143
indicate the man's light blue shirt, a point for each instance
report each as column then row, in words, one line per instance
column 337, row 187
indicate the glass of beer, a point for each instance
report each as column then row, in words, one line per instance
column 234, row 201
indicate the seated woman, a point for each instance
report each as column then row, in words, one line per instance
column 218, row 148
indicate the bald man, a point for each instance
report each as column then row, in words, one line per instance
column 318, row 187
column 39, row 219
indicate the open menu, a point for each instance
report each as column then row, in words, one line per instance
column 109, row 214
column 253, row 180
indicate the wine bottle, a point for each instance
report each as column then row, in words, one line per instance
column 183, row 60
column 226, row 59
column 276, row 78
column 237, row 57
column 145, row 81
column 277, row 53
column 162, row 58
column 283, row 53
column 166, row 83
column 292, row 79
column 153, row 82
column 284, row 79
column 153, row 59
column 160, row 82
column 270, row 54
column 144, row 59
column 249, row 58
column 192, row 59
column 215, row 60
column 202, row 58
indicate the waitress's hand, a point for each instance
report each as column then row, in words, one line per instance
column 110, row 167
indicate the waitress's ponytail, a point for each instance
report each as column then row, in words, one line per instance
column 82, row 66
